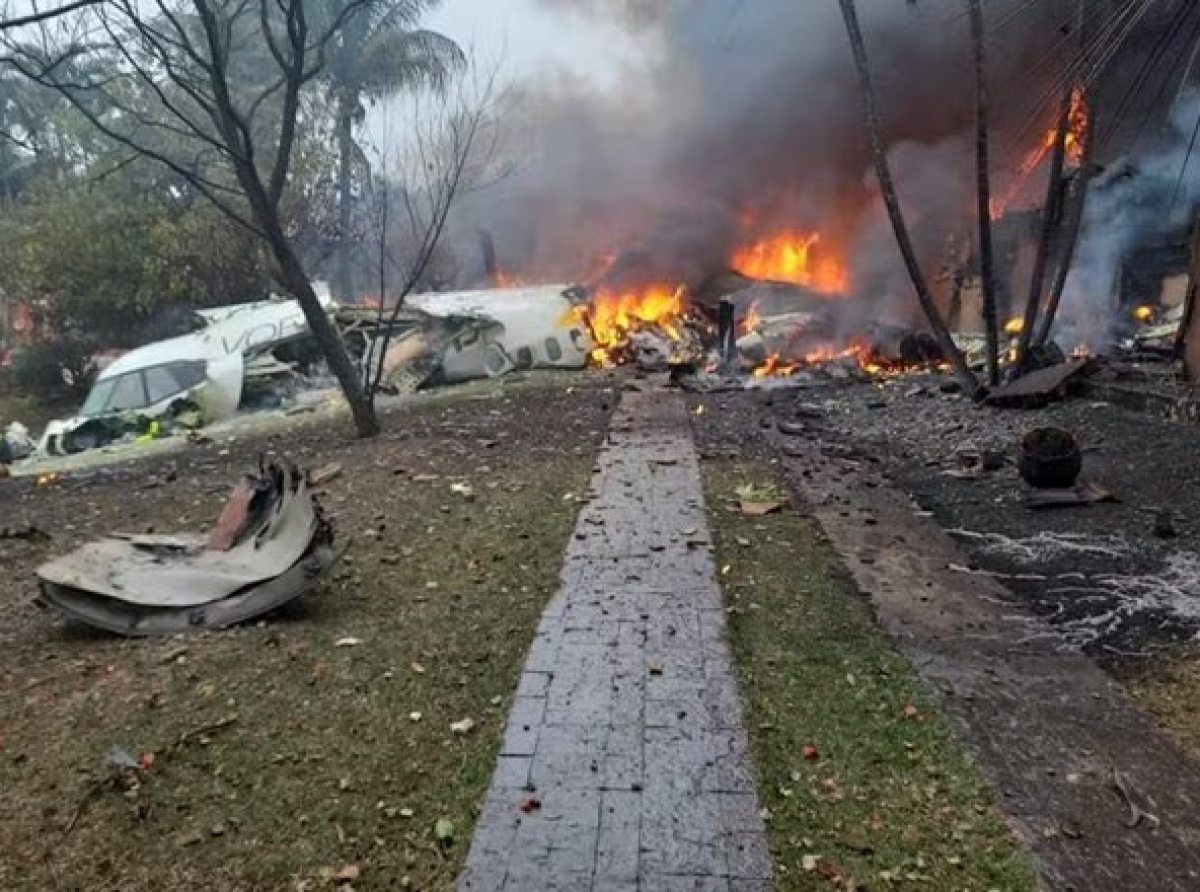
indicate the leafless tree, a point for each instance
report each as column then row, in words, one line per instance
column 212, row 90
column 887, row 188
column 35, row 16
column 450, row 150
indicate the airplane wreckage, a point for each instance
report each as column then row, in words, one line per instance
column 259, row 355
column 270, row 545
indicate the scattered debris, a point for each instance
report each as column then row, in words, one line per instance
column 1050, row 458
column 972, row 462
column 27, row 533
column 348, row 642
column 326, row 474
column 1082, row 496
column 16, row 444
column 164, row 585
column 1136, row 815
column 1043, row 386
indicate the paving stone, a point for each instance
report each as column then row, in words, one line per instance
column 661, row 883
column 740, row 812
column 512, row 772
column 747, row 856
column 739, row 885
column 524, row 725
column 534, row 684
column 627, row 718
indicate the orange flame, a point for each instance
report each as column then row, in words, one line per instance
column 790, row 257
column 1079, row 121
column 614, row 315
column 775, row 367
column 752, row 321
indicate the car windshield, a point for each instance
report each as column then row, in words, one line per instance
column 98, row 399
column 143, row 388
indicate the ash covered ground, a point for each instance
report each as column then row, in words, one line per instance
column 1117, row 580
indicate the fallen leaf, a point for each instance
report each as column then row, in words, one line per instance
column 910, row 711
column 812, row 753
column 147, row 761
column 466, row 726
column 760, row 509
column 326, row 474
column 348, row 642
column 342, row 875
column 443, row 831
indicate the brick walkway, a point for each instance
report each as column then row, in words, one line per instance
column 626, row 729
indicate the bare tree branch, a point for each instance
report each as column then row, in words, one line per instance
column 37, row 18
column 212, row 90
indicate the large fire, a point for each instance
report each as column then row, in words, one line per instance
column 1079, row 122
column 614, row 315
column 796, row 258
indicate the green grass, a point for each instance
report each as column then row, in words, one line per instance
column 328, row 764
column 887, row 799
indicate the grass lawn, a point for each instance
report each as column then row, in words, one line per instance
column 277, row 759
column 1169, row 690
column 865, row 785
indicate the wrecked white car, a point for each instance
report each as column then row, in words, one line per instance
column 193, row 380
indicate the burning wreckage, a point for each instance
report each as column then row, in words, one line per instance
column 259, row 355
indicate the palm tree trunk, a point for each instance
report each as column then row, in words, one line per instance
column 344, row 125
column 887, row 188
column 1051, row 214
column 987, row 262
column 1074, row 224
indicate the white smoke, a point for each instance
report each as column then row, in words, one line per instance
column 1146, row 196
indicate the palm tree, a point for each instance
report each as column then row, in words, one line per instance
column 887, row 189
column 379, row 51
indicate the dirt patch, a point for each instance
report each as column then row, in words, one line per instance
column 863, row 780
column 321, row 741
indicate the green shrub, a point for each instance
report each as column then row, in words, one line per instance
column 55, row 369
